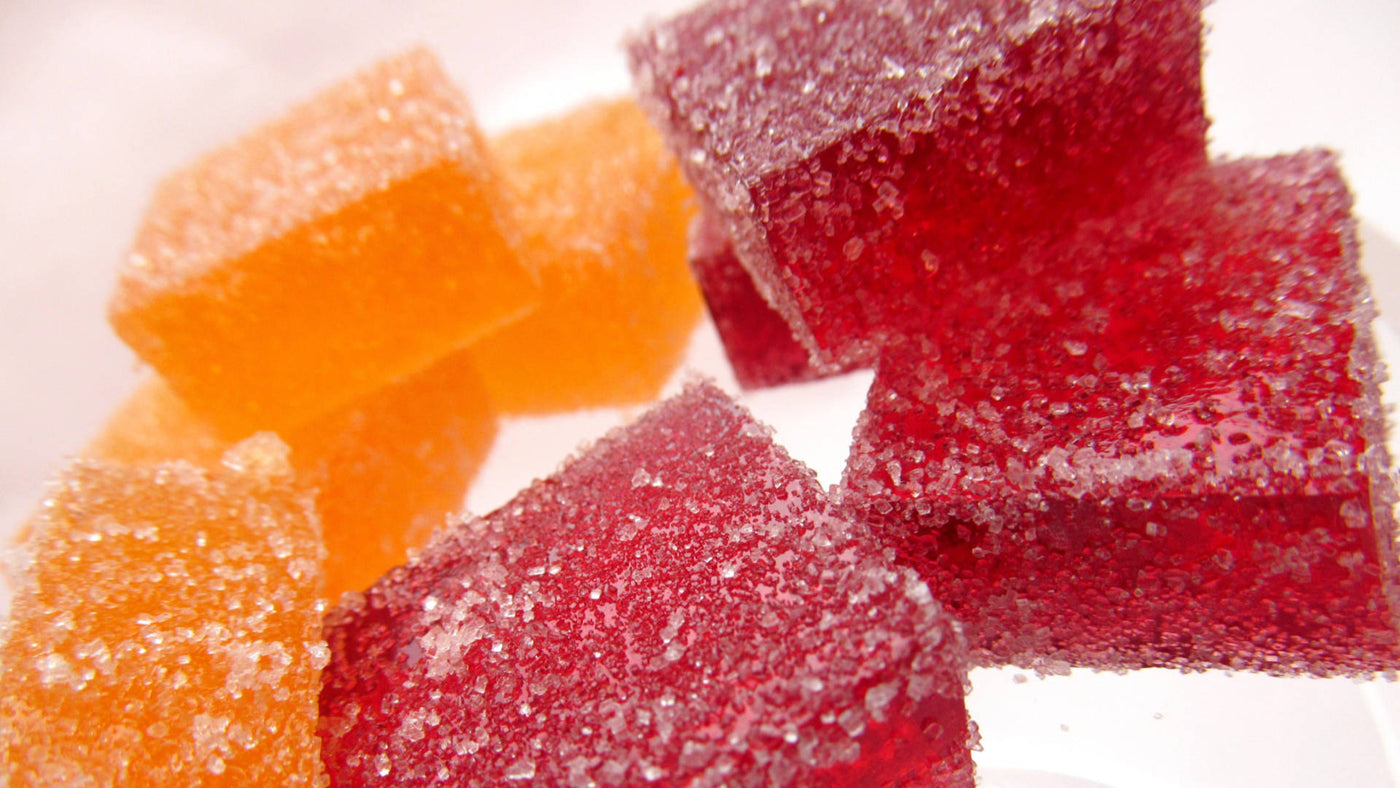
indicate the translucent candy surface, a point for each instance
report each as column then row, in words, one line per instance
column 166, row 629
column 868, row 157
column 388, row 468
column 604, row 210
column 348, row 244
column 678, row 605
column 758, row 342
column 1163, row 447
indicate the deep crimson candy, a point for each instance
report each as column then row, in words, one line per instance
column 758, row 342
column 1162, row 447
column 868, row 158
column 678, row 605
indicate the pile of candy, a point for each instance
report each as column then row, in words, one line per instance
column 1125, row 414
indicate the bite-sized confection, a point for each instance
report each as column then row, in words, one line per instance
column 1163, row 447
column 387, row 468
column 758, row 342
column 348, row 244
column 166, row 629
column 677, row 605
column 603, row 211
column 868, row 158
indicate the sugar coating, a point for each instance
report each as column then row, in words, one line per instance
column 387, row 468
column 758, row 342
column 1162, row 447
column 677, row 605
column 865, row 157
column 166, row 629
column 603, row 210
column 352, row 242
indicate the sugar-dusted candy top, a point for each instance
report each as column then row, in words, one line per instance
column 347, row 245
column 166, row 628
column 1213, row 338
column 677, row 605
column 384, row 124
column 758, row 86
column 1163, row 446
column 863, row 154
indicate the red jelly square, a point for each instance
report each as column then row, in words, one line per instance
column 1162, row 448
column 759, row 343
column 870, row 157
column 678, row 605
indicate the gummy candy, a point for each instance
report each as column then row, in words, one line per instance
column 166, row 629
column 603, row 209
column 389, row 467
column 153, row 426
column 868, row 157
column 678, row 605
column 759, row 343
column 353, row 242
column 1162, row 447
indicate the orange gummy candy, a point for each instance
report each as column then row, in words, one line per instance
column 605, row 213
column 354, row 241
column 389, row 467
column 166, row 629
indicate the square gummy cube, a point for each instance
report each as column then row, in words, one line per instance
column 352, row 242
column 1163, row 447
column 388, row 468
column 758, row 342
column 603, row 211
column 868, row 157
column 166, row 628
column 677, row 605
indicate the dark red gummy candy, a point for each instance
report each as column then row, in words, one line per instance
column 759, row 343
column 678, row 605
column 868, row 157
column 1162, row 447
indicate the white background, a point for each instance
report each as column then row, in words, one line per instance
column 98, row 100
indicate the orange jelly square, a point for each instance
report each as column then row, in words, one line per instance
column 604, row 211
column 166, row 629
column 388, row 467
column 354, row 241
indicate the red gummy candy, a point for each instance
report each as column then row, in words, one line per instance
column 1163, row 447
column 759, row 343
column 868, row 157
column 679, row 605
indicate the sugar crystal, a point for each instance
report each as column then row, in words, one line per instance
column 176, row 648
column 1178, row 489
column 890, row 133
column 639, row 663
column 321, row 256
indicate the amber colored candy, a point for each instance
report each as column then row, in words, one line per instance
column 604, row 211
column 166, row 629
column 389, row 467
column 154, row 425
column 352, row 242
